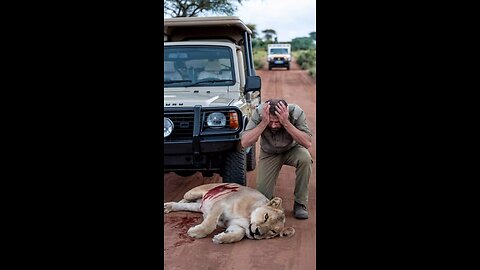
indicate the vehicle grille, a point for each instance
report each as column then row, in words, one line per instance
column 278, row 58
column 183, row 122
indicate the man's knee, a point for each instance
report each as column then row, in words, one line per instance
column 304, row 160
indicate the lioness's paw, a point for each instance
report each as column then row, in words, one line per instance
column 226, row 238
column 196, row 232
column 218, row 239
column 167, row 207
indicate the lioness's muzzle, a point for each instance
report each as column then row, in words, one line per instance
column 253, row 233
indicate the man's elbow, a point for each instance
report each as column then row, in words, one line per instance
column 307, row 145
column 244, row 143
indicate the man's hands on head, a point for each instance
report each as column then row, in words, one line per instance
column 266, row 113
column 282, row 113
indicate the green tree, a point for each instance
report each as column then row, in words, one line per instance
column 253, row 27
column 302, row 43
column 313, row 35
column 192, row 8
column 269, row 33
column 258, row 43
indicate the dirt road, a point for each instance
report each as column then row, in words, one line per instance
column 297, row 252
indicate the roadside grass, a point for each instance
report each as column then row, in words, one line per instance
column 307, row 59
column 259, row 58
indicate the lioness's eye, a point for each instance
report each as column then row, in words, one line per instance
column 266, row 217
column 274, row 232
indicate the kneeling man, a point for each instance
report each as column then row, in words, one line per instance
column 285, row 138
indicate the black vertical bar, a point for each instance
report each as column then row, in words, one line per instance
column 246, row 45
column 251, row 55
column 197, row 110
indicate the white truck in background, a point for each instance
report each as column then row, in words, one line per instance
column 279, row 55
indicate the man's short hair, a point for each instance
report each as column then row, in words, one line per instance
column 273, row 104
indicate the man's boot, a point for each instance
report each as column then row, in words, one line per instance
column 300, row 211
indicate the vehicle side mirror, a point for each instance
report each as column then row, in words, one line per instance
column 254, row 83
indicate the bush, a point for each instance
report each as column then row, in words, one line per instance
column 313, row 72
column 307, row 59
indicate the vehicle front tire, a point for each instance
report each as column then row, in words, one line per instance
column 207, row 174
column 235, row 169
column 185, row 173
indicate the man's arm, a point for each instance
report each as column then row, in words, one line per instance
column 251, row 136
column 299, row 136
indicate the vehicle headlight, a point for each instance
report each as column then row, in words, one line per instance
column 216, row 120
column 167, row 127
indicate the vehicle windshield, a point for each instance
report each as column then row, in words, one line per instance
column 197, row 65
column 278, row 51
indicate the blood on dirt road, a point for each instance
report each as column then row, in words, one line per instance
column 296, row 252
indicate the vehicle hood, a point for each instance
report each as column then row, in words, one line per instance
column 189, row 100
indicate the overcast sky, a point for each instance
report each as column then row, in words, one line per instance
column 289, row 18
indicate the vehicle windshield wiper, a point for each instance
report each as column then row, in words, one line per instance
column 176, row 81
column 209, row 81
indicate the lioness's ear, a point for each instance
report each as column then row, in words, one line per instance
column 275, row 202
column 287, row 232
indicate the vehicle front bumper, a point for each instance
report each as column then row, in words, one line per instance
column 202, row 150
column 181, row 155
column 279, row 63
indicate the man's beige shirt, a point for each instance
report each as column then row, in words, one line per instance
column 280, row 141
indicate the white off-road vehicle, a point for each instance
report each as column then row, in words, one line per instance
column 210, row 91
column 279, row 55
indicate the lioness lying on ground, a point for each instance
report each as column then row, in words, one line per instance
column 239, row 209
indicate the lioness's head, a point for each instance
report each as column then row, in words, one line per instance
column 268, row 221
